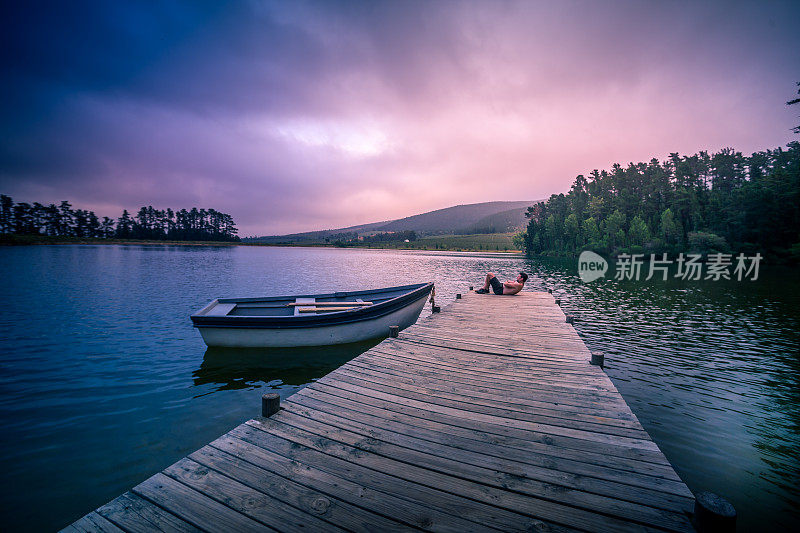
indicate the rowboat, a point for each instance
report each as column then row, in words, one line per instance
column 310, row 320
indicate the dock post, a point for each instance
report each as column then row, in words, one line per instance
column 570, row 319
column 470, row 287
column 458, row 296
column 550, row 291
column 558, row 301
column 598, row 359
column 436, row 309
column 270, row 404
column 713, row 513
column 394, row 331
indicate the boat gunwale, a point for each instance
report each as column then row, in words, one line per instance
column 339, row 294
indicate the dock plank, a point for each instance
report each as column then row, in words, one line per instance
column 481, row 457
column 337, row 414
column 506, row 408
column 92, row 523
column 260, row 506
column 414, row 453
column 407, row 501
column 450, row 427
column 137, row 515
column 529, row 447
column 194, row 507
column 542, row 509
column 293, row 492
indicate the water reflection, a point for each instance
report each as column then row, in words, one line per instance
column 247, row 368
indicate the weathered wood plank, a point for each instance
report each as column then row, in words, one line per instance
column 92, row 523
column 564, row 400
column 543, row 510
column 399, row 381
column 193, row 506
column 489, row 407
column 468, row 411
column 418, row 453
column 406, row 501
column 403, row 376
column 527, row 445
column 522, row 390
column 500, row 490
column 137, row 515
column 245, row 500
column 481, row 456
column 490, row 363
column 496, row 431
column 334, row 414
column 291, row 489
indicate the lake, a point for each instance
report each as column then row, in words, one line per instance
column 104, row 381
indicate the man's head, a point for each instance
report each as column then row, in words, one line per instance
column 522, row 278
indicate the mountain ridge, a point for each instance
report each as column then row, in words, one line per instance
column 498, row 216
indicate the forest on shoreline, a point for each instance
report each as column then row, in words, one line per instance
column 29, row 223
column 703, row 203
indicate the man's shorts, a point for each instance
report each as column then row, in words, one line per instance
column 497, row 285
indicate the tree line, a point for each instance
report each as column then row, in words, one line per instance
column 704, row 202
column 152, row 224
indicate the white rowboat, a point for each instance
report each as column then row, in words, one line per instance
column 310, row 320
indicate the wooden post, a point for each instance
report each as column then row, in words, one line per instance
column 570, row 319
column 394, row 331
column 713, row 513
column 458, row 296
column 470, row 287
column 436, row 309
column 270, row 404
column 550, row 291
column 558, row 301
column 598, row 359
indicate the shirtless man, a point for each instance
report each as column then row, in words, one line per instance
column 507, row 288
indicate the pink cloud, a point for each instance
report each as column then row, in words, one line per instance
column 307, row 116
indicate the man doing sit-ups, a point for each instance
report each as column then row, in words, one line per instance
column 507, row 288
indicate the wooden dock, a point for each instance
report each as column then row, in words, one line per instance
column 486, row 416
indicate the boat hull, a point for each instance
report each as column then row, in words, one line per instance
column 323, row 335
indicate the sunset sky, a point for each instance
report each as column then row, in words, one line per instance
column 295, row 116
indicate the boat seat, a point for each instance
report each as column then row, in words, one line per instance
column 221, row 310
column 309, row 301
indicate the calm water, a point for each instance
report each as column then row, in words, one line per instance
column 103, row 381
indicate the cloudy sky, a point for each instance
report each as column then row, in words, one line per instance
column 295, row 116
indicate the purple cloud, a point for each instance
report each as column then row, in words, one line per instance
column 300, row 116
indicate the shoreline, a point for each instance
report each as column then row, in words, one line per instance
column 26, row 240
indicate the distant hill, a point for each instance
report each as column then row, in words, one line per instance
column 486, row 217
column 512, row 220
column 318, row 235
column 452, row 219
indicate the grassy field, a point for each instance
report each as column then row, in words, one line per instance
column 492, row 242
column 500, row 242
